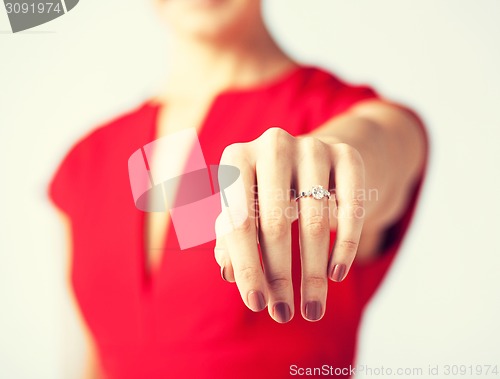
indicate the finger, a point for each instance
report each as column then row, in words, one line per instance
column 222, row 258
column 274, row 176
column 238, row 216
column 350, row 182
column 314, row 228
column 332, row 205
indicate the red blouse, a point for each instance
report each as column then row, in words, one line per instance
column 184, row 321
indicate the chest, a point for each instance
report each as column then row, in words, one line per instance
column 178, row 125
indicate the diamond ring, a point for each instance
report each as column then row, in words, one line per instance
column 318, row 192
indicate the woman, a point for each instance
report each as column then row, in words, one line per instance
column 154, row 311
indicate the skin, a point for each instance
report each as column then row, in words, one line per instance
column 223, row 44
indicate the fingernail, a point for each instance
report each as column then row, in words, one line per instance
column 282, row 312
column 313, row 310
column 256, row 301
column 222, row 273
column 338, row 273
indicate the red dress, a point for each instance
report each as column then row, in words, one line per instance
column 184, row 321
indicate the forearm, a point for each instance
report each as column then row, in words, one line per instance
column 392, row 147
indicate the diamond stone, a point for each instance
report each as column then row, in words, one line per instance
column 318, row 192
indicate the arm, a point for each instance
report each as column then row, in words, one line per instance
column 391, row 144
column 91, row 367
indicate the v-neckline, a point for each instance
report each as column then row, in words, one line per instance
column 150, row 274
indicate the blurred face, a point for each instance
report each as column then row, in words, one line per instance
column 211, row 19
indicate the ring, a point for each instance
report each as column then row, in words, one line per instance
column 318, row 192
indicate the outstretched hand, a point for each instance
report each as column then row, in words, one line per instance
column 281, row 177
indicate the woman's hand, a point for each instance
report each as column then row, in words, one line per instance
column 274, row 169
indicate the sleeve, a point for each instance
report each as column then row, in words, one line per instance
column 328, row 97
column 349, row 95
column 66, row 184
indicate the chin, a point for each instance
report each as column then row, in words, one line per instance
column 203, row 3
column 210, row 19
column 207, row 28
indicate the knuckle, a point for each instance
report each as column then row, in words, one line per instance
column 358, row 210
column 234, row 219
column 278, row 282
column 233, row 152
column 310, row 143
column 350, row 198
column 348, row 245
column 273, row 226
column 249, row 274
column 348, row 152
column 244, row 226
column 357, row 202
column 315, row 281
column 274, row 133
column 314, row 149
column 344, row 148
column 276, row 138
column 316, row 226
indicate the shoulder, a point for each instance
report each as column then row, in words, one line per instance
column 102, row 149
column 319, row 78
column 330, row 85
column 129, row 122
column 322, row 95
column 121, row 134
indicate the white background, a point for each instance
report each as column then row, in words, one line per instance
column 440, row 303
